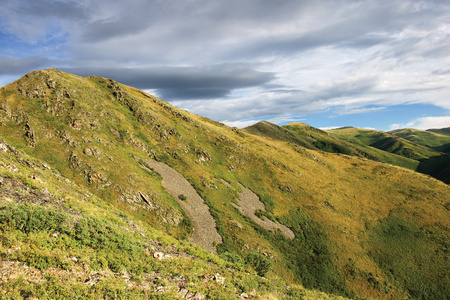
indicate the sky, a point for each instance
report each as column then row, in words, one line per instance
column 328, row 63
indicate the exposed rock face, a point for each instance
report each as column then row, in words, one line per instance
column 202, row 155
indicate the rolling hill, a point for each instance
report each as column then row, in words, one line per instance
column 428, row 160
column 312, row 138
column 131, row 197
column 437, row 139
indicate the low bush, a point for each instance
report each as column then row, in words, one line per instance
column 31, row 218
column 259, row 262
column 232, row 258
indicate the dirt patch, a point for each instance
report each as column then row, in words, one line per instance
column 205, row 232
column 249, row 203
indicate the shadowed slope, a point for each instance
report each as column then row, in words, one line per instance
column 437, row 139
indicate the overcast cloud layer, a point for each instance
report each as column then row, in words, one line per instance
column 239, row 61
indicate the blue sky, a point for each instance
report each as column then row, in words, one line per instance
column 328, row 63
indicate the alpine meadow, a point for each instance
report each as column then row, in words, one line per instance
column 107, row 192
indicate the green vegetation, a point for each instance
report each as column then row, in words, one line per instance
column 413, row 149
column 435, row 139
column 114, row 248
column 82, row 211
column 57, row 243
column 260, row 263
column 415, row 257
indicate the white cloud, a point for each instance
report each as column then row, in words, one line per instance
column 297, row 57
column 240, row 124
column 358, row 110
column 425, row 123
column 329, row 127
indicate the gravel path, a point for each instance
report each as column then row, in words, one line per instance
column 249, row 203
column 205, row 232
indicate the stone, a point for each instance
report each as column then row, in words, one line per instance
column 87, row 151
column 219, row 279
column 158, row 255
column 3, row 147
column 55, row 234
column 198, row 296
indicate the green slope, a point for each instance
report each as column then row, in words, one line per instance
column 59, row 241
column 312, row 138
column 428, row 160
column 304, row 135
column 342, row 209
column 443, row 131
column 437, row 139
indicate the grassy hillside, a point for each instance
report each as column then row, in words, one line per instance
column 60, row 241
column 306, row 136
column 420, row 150
column 438, row 139
column 444, row 131
column 312, row 138
column 343, row 210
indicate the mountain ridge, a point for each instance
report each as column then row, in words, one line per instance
column 404, row 148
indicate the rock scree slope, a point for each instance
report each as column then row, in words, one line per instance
column 249, row 204
column 205, row 232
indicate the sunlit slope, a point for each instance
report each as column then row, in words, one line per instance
column 59, row 241
column 316, row 139
column 444, row 131
column 304, row 135
column 343, row 210
column 428, row 160
column 438, row 139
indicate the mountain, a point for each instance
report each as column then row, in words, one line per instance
column 437, row 139
column 421, row 147
column 109, row 192
column 305, row 136
column 312, row 138
column 443, row 131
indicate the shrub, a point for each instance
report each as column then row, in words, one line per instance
column 259, row 262
column 31, row 218
column 232, row 258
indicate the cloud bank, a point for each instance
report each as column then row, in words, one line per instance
column 234, row 60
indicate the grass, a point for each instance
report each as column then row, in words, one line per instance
column 103, row 247
column 410, row 148
column 334, row 203
column 426, row 138
column 415, row 257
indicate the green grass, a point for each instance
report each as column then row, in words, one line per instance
column 413, row 149
column 415, row 257
column 432, row 139
column 327, row 199
column 98, row 243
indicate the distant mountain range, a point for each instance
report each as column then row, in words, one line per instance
column 423, row 151
column 109, row 192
